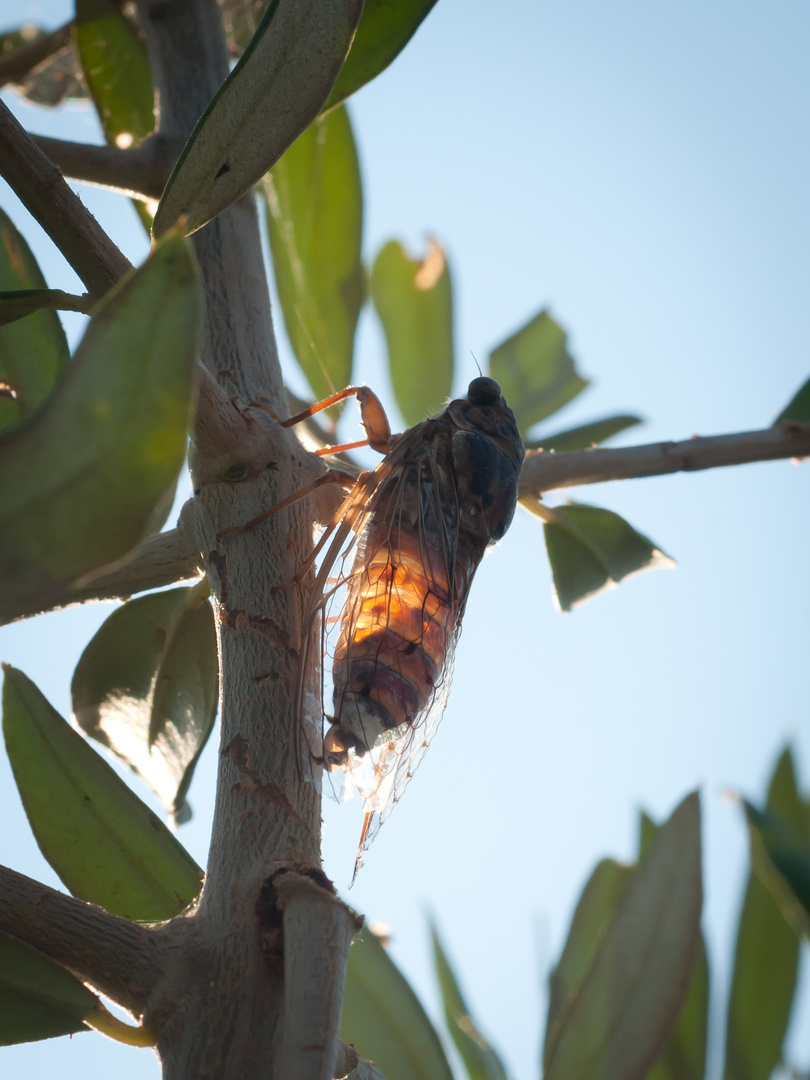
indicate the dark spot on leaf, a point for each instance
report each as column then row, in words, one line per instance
column 224, row 168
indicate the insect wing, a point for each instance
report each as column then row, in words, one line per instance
column 388, row 606
column 397, row 761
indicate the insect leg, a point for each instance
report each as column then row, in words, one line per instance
column 372, row 416
column 333, row 476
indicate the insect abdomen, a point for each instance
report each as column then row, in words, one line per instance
column 400, row 616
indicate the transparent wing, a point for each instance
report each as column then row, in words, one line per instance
column 393, row 764
column 387, row 604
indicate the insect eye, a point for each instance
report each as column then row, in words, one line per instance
column 483, row 391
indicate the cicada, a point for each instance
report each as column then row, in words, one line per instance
column 390, row 592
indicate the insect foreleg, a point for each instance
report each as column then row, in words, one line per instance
column 372, row 417
column 332, row 476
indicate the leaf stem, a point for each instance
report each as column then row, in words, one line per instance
column 104, row 1021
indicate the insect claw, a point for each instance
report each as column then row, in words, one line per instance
column 335, row 752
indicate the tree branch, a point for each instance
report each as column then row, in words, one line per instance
column 117, row 956
column 42, row 189
column 350, row 1066
column 543, row 471
column 17, row 64
column 318, row 929
column 141, row 172
column 163, row 559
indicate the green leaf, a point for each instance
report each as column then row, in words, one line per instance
column 586, row 435
column 275, row 91
column 146, row 687
column 594, row 913
column 637, row 979
column 56, row 79
column 103, row 842
column 591, row 549
column 798, row 408
column 766, row 956
column 385, row 28
column 17, row 40
column 480, row 1059
column 314, row 221
column 80, row 482
column 383, row 1019
column 38, row 998
column 34, row 350
column 781, row 859
column 116, row 70
column 535, row 371
column 414, row 300
column 684, row 1054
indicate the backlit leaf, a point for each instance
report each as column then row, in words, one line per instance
column 591, row 549
column 766, row 956
column 586, row 435
column 275, row 91
column 630, row 997
column 595, row 911
column 781, row 858
column 385, row 28
column 535, row 371
column 314, row 219
column 56, row 79
column 414, row 300
column 480, row 1058
column 102, row 841
column 34, row 349
column 38, row 998
column 684, row 1053
column 383, row 1019
column 81, row 482
column 146, row 686
column 116, row 70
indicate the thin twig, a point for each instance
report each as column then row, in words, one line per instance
column 15, row 65
column 141, row 172
column 117, row 956
column 42, row 189
column 543, row 471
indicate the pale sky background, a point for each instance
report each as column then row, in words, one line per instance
column 642, row 169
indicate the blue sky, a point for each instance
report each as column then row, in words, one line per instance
column 642, row 170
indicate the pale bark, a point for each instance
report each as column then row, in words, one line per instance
column 247, row 986
column 140, row 172
column 545, row 471
column 120, row 958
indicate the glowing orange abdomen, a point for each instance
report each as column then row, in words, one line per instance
column 399, row 618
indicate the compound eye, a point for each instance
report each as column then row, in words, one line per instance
column 484, row 391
